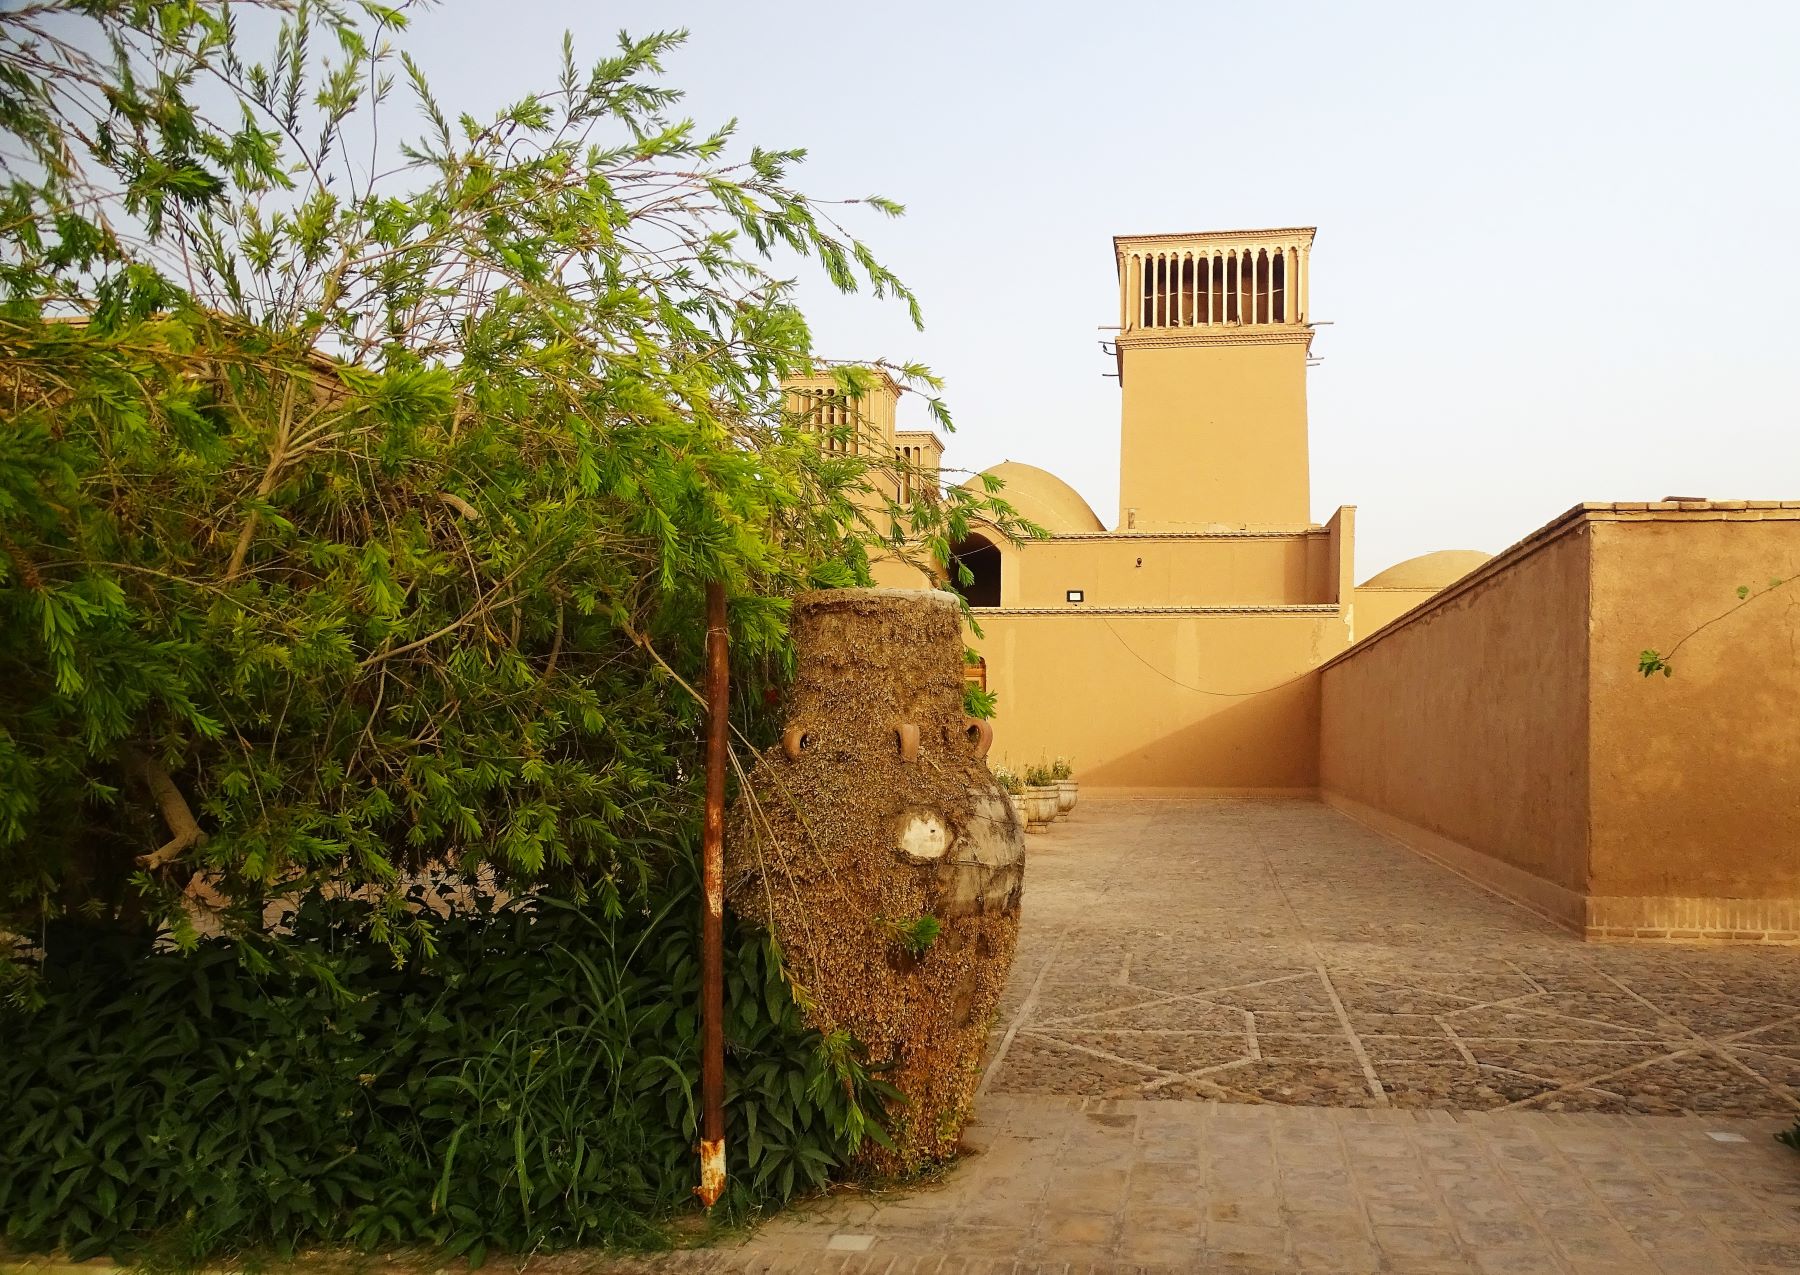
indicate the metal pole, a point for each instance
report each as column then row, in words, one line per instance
column 712, row 916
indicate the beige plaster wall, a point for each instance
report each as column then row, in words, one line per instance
column 1154, row 571
column 1469, row 721
column 1505, row 729
column 1696, row 777
column 1377, row 608
column 893, row 572
column 1219, row 702
column 1213, row 435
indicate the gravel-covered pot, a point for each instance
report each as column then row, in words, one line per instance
column 875, row 812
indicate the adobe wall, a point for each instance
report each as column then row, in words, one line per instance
column 1194, row 701
column 1378, row 607
column 1214, row 433
column 1696, row 776
column 1215, row 569
column 1503, row 727
column 1463, row 729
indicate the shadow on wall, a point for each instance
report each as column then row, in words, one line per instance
column 1262, row 743
column 981, row 557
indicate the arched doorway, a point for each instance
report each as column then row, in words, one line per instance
column 981, row 558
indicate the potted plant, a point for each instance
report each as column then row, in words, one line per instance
column 1014, row 788
column 1066, row 788
column 1040, row 798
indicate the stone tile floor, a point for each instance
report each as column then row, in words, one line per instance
column 1256, row 951
column 1255, row 1036
column 1060, row 1184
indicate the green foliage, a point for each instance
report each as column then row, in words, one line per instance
column 1652, row 662
column 918, row 934
column 1062, row 769
column 363, row 522
column 532, row 1085
column 1008, row 780
column 1038, row 776
column 978, row 702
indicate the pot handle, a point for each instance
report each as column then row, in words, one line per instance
column 794, row 741
column 908, row 734
column 980, row 733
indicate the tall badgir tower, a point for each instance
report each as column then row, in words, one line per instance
column 1212, row 350
column 1178, row 650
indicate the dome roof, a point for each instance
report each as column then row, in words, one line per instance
column 1041, row 496
column 1429, row 570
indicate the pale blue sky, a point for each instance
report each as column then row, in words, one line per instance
column 1556, row 241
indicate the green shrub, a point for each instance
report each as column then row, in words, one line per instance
column 1038, row 776
column 532, row 1085
column 364, row 522
column 1061, row 769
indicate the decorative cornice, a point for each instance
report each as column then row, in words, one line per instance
column 826, row 380
column 1139, row 537
column 1216, row 334
column 1230, row 533
column 1308, row 608
column 901, row 435
column 1244, row 238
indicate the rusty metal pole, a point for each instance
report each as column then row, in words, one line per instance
column 712, row 914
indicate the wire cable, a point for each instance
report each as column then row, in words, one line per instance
column 1199, row 690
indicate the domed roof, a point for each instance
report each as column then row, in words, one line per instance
column 1040, row 496
column 1429, row 570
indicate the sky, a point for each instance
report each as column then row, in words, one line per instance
column 1556, row 249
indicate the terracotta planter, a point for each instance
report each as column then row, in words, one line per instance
column 1065, row 795
column 1040, row 808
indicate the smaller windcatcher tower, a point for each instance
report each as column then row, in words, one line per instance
column 863, row 425
column 853, row 425
column 1212, row 347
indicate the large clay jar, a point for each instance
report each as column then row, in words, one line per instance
column 872, row 822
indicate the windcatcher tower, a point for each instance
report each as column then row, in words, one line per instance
column 1213, row 340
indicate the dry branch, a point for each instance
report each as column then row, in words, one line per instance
column 184, row 830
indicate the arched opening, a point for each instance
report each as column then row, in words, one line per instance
column 981, row 558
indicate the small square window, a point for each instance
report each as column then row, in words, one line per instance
column 1075, row 595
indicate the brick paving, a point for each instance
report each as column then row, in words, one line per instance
column 1137, row 1184
column 1255, row 1036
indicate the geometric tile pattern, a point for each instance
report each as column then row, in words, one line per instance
column 1279, row 952
column 1417, row 1075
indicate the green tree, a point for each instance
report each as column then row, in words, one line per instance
column 360, row 521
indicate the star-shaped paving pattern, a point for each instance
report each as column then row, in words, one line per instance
column 1279, row 952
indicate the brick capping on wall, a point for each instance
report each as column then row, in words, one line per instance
column 1113, row 792
column 1592, row 917
column 1072, row 608
column 1141, row 537
column 1568, row 521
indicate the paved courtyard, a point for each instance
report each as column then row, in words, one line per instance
column 1258, row 951
column 1254, row 1036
